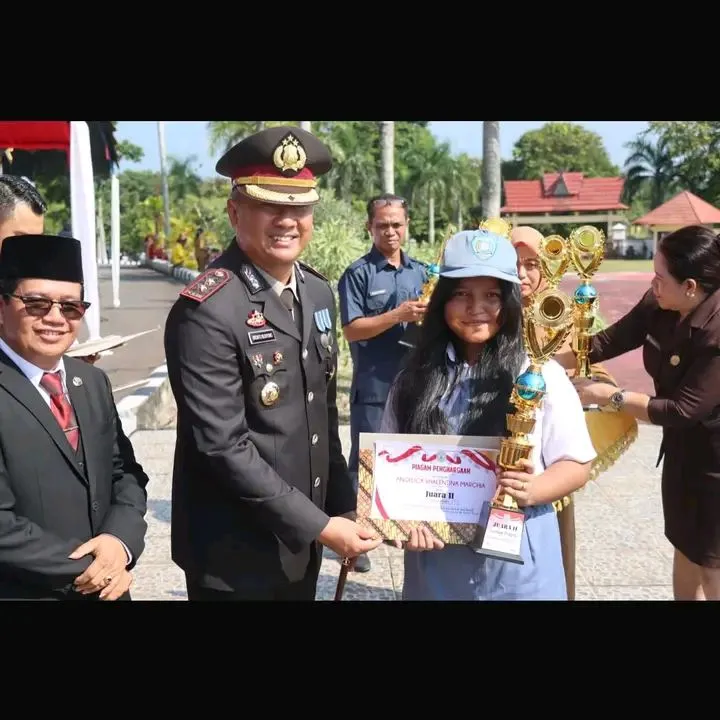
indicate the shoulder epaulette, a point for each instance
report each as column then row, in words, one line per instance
column 312, row 270
column 206, row 285
column 355, row 264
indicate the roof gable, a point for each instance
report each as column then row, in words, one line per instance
column 681, row 210
column 563, row 192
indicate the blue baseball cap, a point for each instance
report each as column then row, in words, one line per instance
column 479, row 253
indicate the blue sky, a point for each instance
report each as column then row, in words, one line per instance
column 185, row 138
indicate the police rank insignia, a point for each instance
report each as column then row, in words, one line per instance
column 255, row 319
column 270, row 394
column 206, row 285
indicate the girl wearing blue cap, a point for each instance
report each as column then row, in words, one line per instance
column 459, row 380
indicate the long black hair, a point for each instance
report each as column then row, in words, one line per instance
column 425, row 377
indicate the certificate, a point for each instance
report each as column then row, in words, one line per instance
column 441, row 482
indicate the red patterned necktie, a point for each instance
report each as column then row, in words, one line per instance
column 61, row 407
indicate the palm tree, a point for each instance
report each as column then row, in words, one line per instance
column 491, row 169
column 387, row 155
column 649, row 163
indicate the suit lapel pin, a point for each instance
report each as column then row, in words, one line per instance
column 257, row 360
column 256, row 319
column 675, row 360
column 76, row 381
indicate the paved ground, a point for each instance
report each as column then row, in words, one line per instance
column 619, row 292
column 145, row 298
column 622, row 553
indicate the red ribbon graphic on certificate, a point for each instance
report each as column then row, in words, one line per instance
column 430, row 482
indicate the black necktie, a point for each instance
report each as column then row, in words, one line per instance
column 288, row 300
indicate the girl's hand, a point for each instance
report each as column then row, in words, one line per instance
column 518, row 483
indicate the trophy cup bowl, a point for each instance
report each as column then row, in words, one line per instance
column 587, row 249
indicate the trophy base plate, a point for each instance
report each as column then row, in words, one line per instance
column 498, row 555
column 501, row 538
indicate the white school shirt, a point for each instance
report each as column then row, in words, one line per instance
column 560, row 429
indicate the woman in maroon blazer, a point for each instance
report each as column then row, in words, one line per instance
column 677, row 323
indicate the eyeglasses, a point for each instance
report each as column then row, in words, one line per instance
column 383, row 202
column 40, row 307
column 529, row 264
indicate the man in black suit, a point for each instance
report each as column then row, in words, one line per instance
column 260, row 482
column 72, row 496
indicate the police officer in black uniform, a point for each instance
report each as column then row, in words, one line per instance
column 259, row 481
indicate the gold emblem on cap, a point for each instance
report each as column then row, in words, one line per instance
column 674, row 360
column 497, row 226
column 270, row 394
column 289, row 155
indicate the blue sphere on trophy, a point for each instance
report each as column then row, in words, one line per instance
column 585, row 294
column 530, row 386
column 587, row 249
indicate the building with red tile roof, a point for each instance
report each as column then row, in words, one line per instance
column 564, row 198
column 681, row 210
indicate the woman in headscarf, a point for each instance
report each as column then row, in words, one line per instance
column 458, row 380
column 611, row 434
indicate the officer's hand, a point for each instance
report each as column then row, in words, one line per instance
column 410, row 311
column 347, row 538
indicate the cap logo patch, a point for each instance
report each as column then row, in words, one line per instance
column 289, row 155
column 484, row 246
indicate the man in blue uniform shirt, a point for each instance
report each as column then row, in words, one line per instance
column 378, row 298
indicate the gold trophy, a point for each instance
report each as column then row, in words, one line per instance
column 410, row 336
column 587, row 249
column 550, row 312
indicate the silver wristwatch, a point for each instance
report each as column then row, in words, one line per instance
column 617, row 399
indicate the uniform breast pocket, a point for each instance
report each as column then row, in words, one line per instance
column 268, row 387
column 377, row 300
column 327, row 356
column 652, row 356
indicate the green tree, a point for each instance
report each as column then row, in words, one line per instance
column 562, row 146
column 694, row 146
column 649, row 164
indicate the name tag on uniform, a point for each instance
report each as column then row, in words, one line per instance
column 261, row 336
column 377, row 292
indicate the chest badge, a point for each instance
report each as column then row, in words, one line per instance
column 257, row 360
column 270, row 394
column 277, row 357
column 323, row 321
column 674, row 360
column 256, row 319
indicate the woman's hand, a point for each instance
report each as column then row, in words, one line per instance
column 518, row 484
column 421, row 539
column 593, row 393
